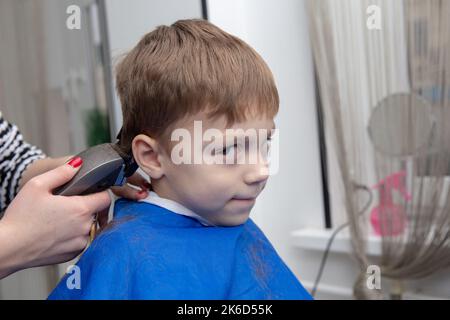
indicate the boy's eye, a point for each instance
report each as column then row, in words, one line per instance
column 227, row 150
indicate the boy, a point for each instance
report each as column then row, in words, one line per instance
column 191, row 238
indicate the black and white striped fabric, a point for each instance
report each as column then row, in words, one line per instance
column 15, row 156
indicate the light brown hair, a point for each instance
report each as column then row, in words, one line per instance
column 189, row 67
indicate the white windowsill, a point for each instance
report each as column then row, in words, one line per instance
column 317, row 239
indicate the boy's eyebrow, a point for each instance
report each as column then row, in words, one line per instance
column 269, row 134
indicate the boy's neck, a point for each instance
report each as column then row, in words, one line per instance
column 161, row 188
column 162, row 191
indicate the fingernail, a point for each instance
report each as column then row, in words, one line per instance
column 142, row 194
column 75, row 162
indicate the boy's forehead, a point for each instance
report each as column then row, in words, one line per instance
column 221, row 124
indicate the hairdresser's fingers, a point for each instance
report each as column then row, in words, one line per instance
column 95, row 202
column 58, row 176
column 128, row 192
column 138, row 180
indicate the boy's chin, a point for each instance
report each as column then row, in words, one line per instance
column 232, row 220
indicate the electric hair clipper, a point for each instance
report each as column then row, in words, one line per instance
column 104, row 166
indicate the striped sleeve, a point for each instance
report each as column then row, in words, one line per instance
column 15, row 156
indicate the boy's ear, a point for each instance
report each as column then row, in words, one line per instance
column 146, row 153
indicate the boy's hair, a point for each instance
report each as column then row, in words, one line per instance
column 188, row 67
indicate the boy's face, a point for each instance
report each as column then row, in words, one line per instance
column 224, row 172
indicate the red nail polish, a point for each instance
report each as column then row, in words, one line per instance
column 75, row 162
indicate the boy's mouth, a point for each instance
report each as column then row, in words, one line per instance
column 244, row 200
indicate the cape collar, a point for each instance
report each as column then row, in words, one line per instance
column 173, row 206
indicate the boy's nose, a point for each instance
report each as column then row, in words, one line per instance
column 256, row 173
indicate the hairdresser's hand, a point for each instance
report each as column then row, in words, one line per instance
column 43, row 165
column 138, row 192
column 126, row 191
column 40, row 228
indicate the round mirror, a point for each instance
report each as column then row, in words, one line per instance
column 401, row 125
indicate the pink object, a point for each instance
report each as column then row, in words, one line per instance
column 388, row 218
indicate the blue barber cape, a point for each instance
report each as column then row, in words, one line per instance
column 153, row 253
